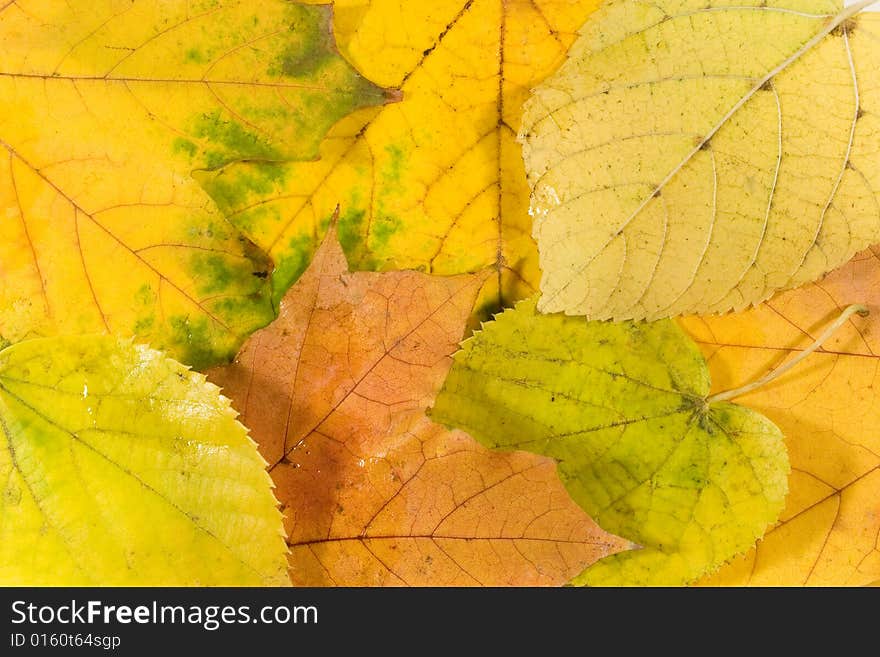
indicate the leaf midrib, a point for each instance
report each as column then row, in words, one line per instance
column 128, row 79
column 803, row 50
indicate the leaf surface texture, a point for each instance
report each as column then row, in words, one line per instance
column 827, row 408
column 374, row 493
column 120, row 467
column 105, row 110
column 435, row 182
column 623, row 410
column 696, row 157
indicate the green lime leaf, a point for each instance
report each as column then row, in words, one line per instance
column 623, row 409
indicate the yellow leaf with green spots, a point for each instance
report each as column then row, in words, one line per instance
column 105, row 110
column 119, row 466
column 623, row 409
column 435, row 182
column 694, row 157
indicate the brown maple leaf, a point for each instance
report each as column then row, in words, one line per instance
column 374, row 493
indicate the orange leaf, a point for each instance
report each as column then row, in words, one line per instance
column 335, row 391
column 828, row 410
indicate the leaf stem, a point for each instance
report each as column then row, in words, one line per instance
column 775, row 374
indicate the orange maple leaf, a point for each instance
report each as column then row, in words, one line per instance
column 828, row 409
column 374, row 493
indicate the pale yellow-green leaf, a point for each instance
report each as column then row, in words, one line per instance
column 119, row 466
column 696, row 157
column 106, row 108
column 623, row 409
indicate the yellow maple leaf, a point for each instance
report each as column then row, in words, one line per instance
column 375, row 493
column 105, row 109
column 435, row 182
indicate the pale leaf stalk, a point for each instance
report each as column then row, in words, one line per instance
column 794, row 362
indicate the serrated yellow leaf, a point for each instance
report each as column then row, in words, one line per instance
column 105, row 109
column 119, row 466
column 695, row 157
column 436, row 182
column 623, row 409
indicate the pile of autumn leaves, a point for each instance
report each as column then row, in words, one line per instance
column 168, row 180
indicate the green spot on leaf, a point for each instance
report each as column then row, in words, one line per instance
column 213, row 271
column 350, row 231
column 235, row 188
column 192, row 338
column 230, row 140
column 393, row 168
column 144, row 325
column 291, row 266
column 185, row 147
column 145, row 295
column 384, row 228
column 195, row 55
